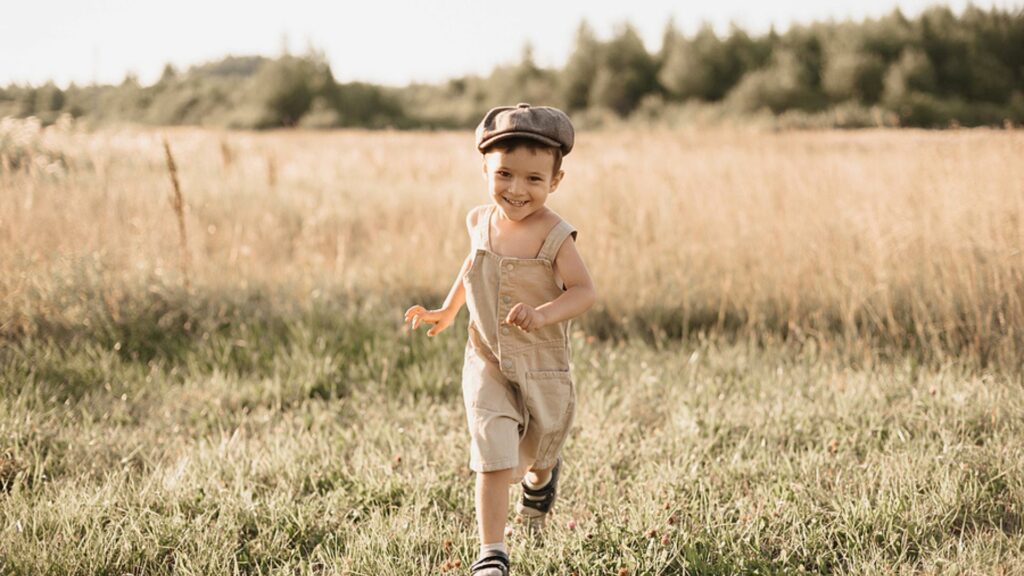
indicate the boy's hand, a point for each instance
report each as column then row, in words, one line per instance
column 439, row 318
column 526, row 317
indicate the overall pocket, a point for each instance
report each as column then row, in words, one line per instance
column 551, row 401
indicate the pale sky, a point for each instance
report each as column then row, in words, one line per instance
column 381, row 41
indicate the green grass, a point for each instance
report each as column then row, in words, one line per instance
column 220, row 434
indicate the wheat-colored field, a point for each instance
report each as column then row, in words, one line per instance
column 909, row 239
column 805, row 357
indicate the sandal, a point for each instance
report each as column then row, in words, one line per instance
column 494, row 564
column 535, row 508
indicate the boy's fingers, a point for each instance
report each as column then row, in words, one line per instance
column 425, row 318
column 412, row 312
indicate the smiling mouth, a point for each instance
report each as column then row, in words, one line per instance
column 517, row 204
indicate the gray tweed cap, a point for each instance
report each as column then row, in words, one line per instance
column 542, row 123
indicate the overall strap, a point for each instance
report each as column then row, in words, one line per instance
column 480, row 233
column 553, row 242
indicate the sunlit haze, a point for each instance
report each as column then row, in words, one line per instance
column 384, row 41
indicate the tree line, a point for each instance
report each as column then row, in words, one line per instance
column 935, row 70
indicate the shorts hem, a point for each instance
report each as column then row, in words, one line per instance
column 493, row 465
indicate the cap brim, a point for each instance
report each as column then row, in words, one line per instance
column 542, row 139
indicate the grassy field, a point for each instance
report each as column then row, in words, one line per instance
column 909, row 241
column 327, row 444
column 805, row 358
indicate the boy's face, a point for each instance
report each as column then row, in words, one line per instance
column 519, row 181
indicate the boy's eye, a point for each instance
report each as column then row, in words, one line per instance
column 535, row 179
column 503, row 173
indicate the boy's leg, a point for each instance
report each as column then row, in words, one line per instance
column 551, row 403
column 491, row 512
column 492, row 504
column 537, row 477
column 539, row 493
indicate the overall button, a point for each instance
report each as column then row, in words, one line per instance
column 506, row 299
column 510, row 266
column 505, row 330
column 506, row 364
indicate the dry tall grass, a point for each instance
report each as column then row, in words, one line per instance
column 904, row 237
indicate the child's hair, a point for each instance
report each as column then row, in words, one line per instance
column 510, row 144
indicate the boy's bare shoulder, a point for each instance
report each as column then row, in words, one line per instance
column 473, row 216
column 552, row 219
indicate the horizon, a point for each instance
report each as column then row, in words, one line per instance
column 144, row 56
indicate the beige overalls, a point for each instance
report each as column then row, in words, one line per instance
column 516, row 385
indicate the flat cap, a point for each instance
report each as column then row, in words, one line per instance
column 542, row 123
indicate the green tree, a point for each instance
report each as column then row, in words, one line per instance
column 912, row 73
column 885, row 37
column 670, row 37
column 284, row 89
column 746, row 54
column 946, row 46
column 853, row 75
column 168, row 77
column 707, row 67
column 625, row 74
column 995, row 54
column 367, row 105
column 781, row 86
column 523, row 82
column 49, row 99
column 693, row 68
column 581, row 69
column 806, row 45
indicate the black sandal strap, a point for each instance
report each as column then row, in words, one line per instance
column 495, row 560
column 542, row 491
column 539, row 505
column 544, row 496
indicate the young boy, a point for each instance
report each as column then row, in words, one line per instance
column 522, row 283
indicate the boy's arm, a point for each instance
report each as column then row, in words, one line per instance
column 442, row 317
column 578, row 297
column 457, row 295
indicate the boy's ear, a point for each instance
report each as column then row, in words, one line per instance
column 556, row 180
column 483, row 167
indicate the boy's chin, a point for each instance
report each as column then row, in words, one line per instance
column 516, row 214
